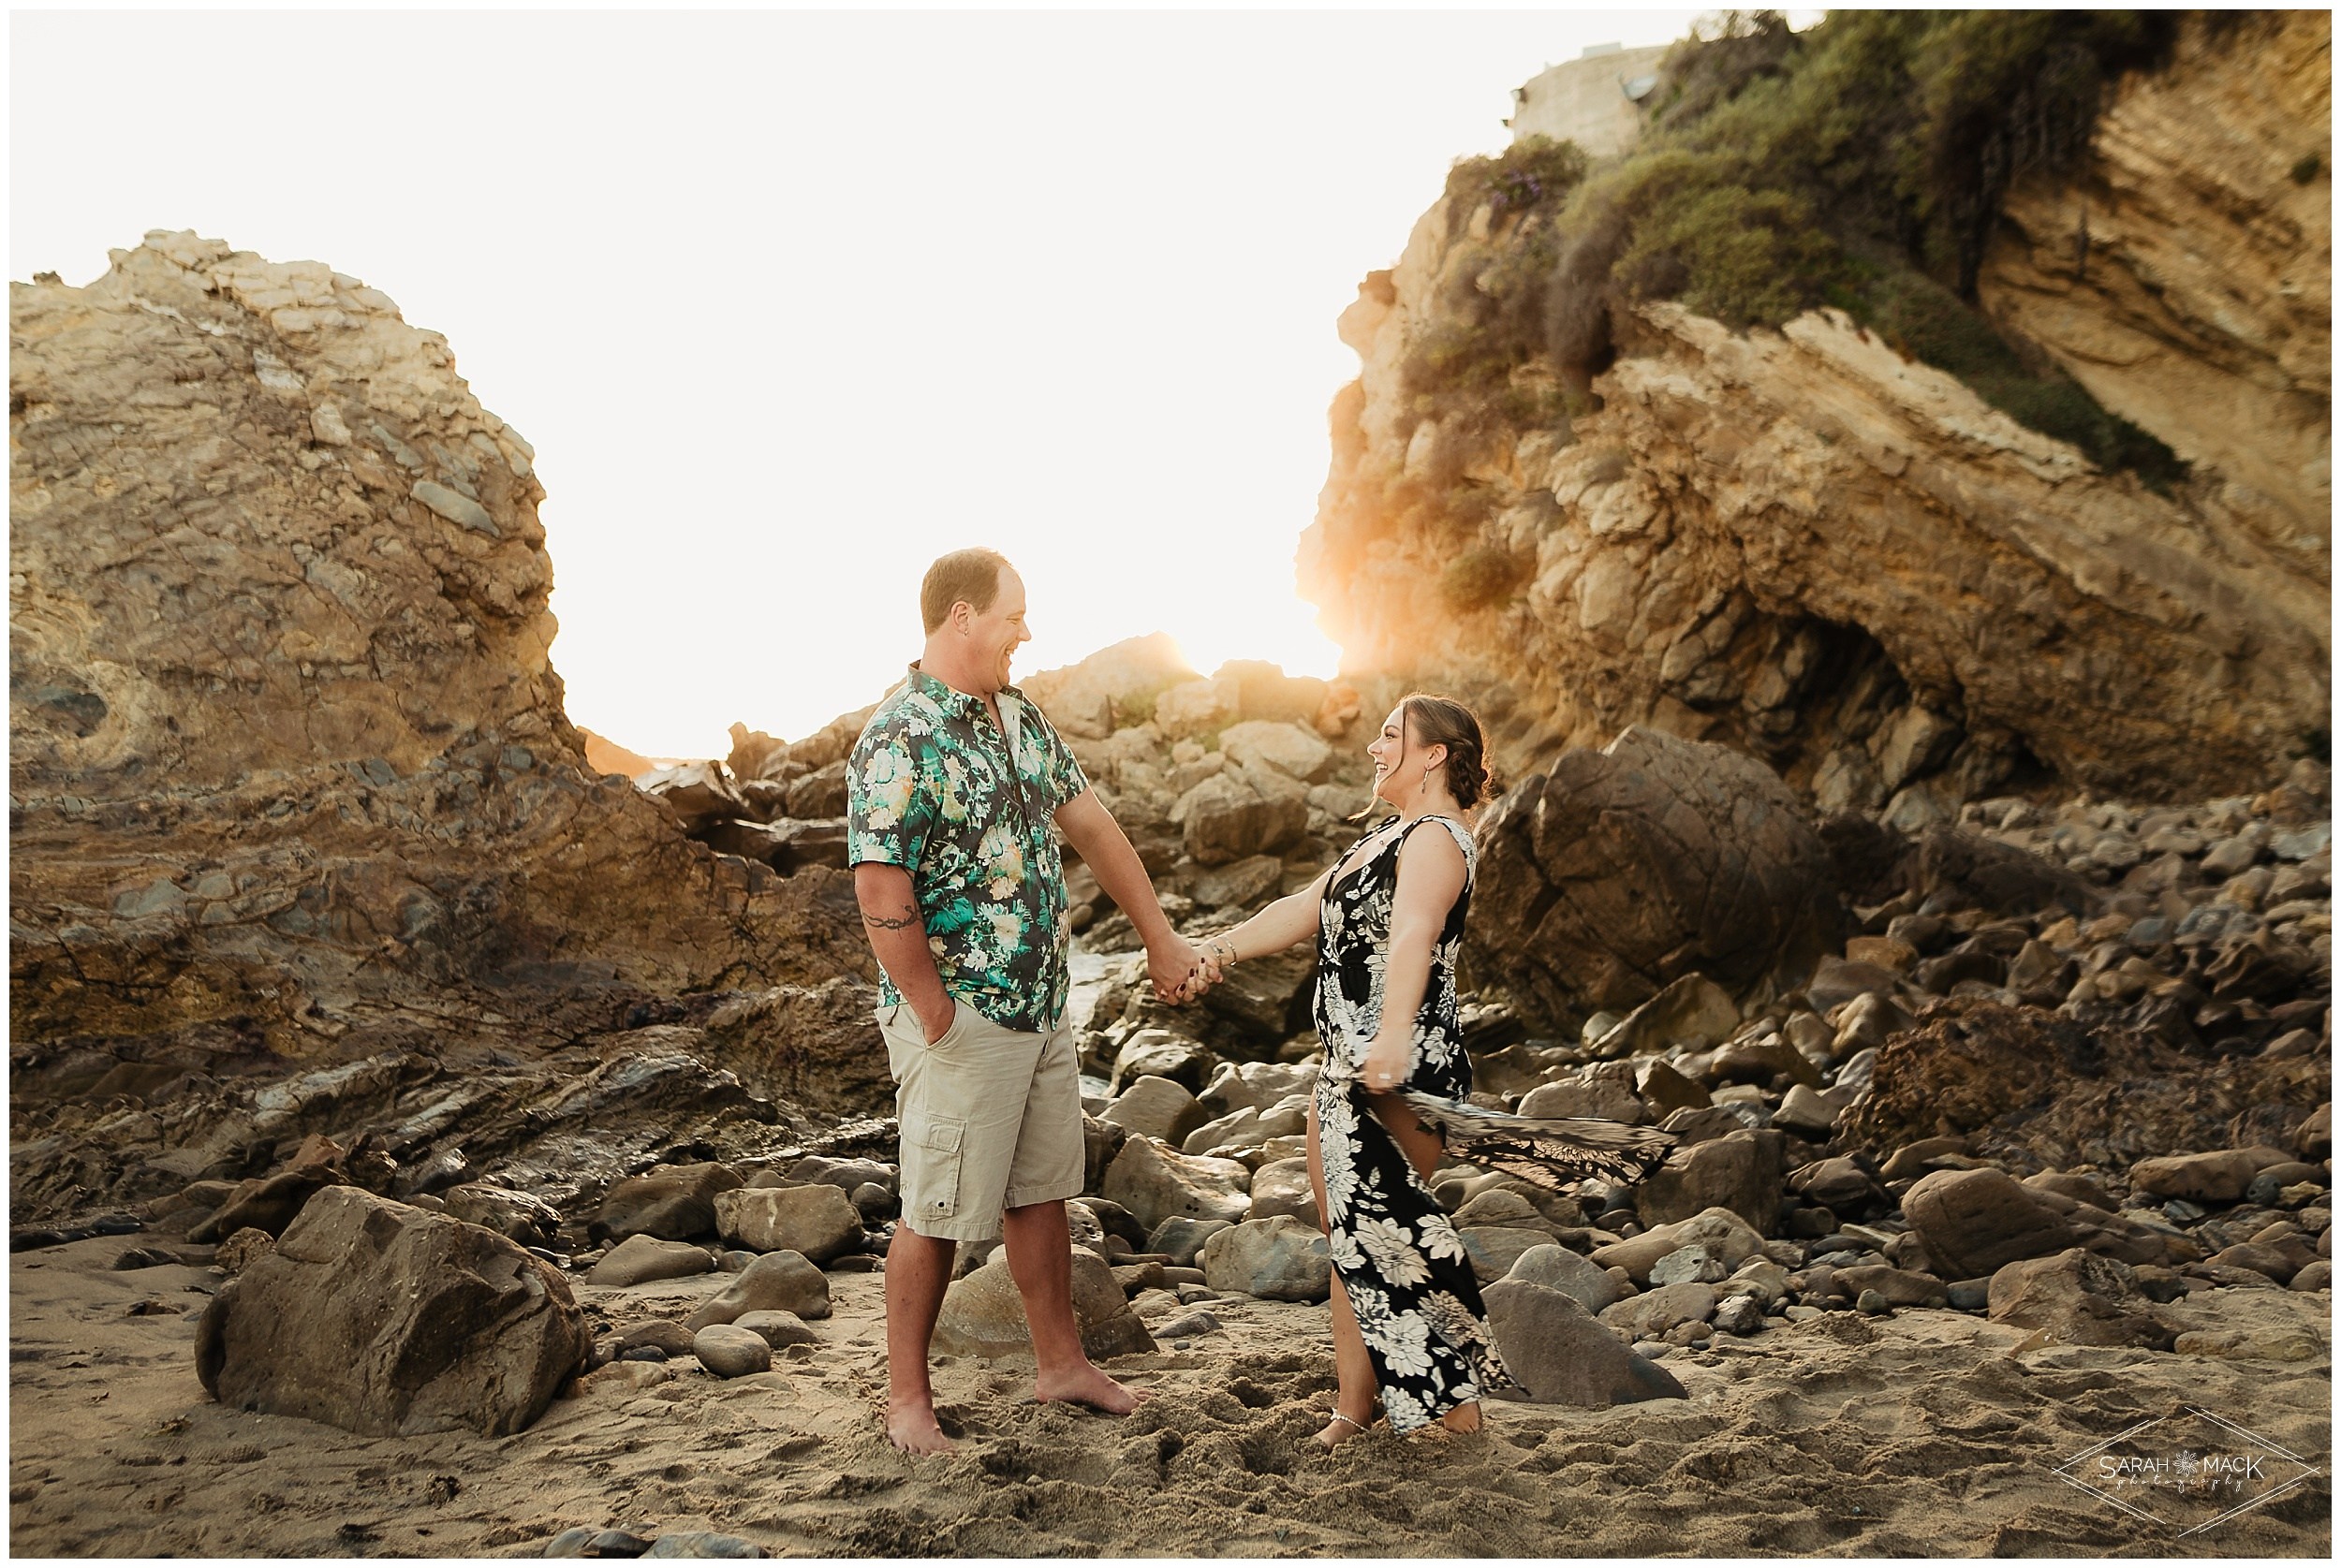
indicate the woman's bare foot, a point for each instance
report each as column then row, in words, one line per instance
column 1461, row 1419
column 911, row 1427
column 1088, row 1386
column 1342, row 1427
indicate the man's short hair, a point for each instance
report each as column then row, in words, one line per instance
column 971, row 575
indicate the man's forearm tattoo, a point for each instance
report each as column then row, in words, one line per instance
column 889, row 923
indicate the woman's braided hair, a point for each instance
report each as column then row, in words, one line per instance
column 1441, row 721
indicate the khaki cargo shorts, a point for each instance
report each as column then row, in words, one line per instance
column 990, row 1119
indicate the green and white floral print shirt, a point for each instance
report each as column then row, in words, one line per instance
column 930, row 788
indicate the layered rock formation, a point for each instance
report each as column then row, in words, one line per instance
column 1803, row 545
column 291, row 782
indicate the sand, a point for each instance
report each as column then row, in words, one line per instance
column 1916, row 1435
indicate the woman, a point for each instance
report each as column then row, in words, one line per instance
column 1388, row 919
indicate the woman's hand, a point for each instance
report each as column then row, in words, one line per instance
column 1212, row 956
column 1385, row 1069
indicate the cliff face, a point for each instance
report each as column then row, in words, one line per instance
column 1804, row 544
column 287, row 745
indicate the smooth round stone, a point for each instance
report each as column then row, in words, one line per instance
column 735, row 1261
column 730, row 1351
column 570, row 1542
column 616, row 1543
column 777, row 1329
column 1874, row 1302
column 641, row 1353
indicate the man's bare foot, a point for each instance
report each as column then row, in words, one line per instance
column 1341, row 1429
column 1088, row 1386
column 912, row 1429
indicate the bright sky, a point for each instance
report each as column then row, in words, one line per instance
column 790, row 303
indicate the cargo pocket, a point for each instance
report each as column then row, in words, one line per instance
column 942, row 1140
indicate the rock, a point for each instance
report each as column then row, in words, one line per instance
column 1154, row 1183
column 641, row 1259
column 1740, row 1171
column 1761, row 1060
column 2315, row 1276
column 1982, row 874
column 1659, row 1087
column 570, row 1543
column 146, row 1258
column 1287, row 748
column 1604, row 1099
column 1651, row 1314
column 1258, row 1085
column 1226, row 817
column 1556, row 1267
column 529, row 1221
column 244, row 1249
column 1881, row 952
column 2078, row 1298
column 1181, row 1238
column 1726, row 1236
column 1739, row 1315
column 775, row 1283
column 1281, row 1259
column 2219, row 1176
column 1867, row 1021
column 701, row 1543
column 2268, row 1261
column 2313, row 1137
column 728, row 1351
column 377, row 1318
column 1188, row 1326
column 1113, row 688
column 1971, row 1222
column 1281, row 1187
column 1839, row 1184
column 1243, row 883
column 1836, row 982
column 983, row 1315
column 1899, row 1287
column 672, row 1202
column 624, row 1377
column 1686, row 1262
column 1495, row 1249
column 1264, row 1000
column 667, row 1338
column 269, row 1206
column 1560, row 1353
column 1627, row 869
column 2081, row 1189
column 816, row 1220
column 1158, row 1053
column 1155, row 1107
column 1805, row 1111
column 1872, row 1303
column 1692, row 1012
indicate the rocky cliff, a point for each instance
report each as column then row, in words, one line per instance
column 1803, row 543
column 291, row 782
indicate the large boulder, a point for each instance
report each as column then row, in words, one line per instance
column 984, row 1315
column 815, row 1046
column 1561, row 1353
column 1282, row 1258
column 671, row 1202
column 1116, row 686
column 269, row 1205
column 1741, row 1171
column 1654, row 858
column 775, row 1283
column 2077, row 1298
column 1692, row 1012
column 640, row 1260
column 1971, row 1222
column 1553, row 1267
column 1154, row 1183
column 1155, row 1107
column 1283, row 1187
column 379, row 1318
column 516, row 1216
column 815, row 1218
column 1226, row 817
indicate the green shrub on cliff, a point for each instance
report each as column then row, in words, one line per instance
column 1860, row 163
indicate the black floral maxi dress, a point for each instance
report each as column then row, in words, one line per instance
column 1401, row 1260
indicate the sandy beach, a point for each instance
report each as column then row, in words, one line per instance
column 1919, row 1434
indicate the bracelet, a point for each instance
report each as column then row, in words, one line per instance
column 1222, row 948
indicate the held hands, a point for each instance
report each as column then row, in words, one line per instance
column 1183, row 972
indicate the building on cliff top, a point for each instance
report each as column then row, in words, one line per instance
column 1593, row 100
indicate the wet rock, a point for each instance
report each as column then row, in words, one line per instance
column 1741, row 1171
column 641, row 1259
column 816, row 1220
column 983, row 1315
column 1281, row 1259
column 732, row 1352
column 516, row 1216
column 1154, row 1183
column 777, row 1282
column 2078, row 1298
column 1155, row 1107
column 1556, row 1267
column 1561, row 1353
column 672, row 1202
column 1625, row 868
column 377, row 1318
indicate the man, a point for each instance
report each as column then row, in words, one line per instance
column 952, row 787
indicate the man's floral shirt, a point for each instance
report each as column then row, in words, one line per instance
column 930, row 789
